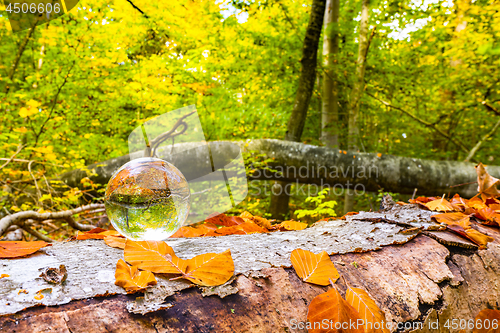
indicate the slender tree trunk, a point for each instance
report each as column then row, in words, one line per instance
column 329, row 110
column 357, row 92
column 279, row 203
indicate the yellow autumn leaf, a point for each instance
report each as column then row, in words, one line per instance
column 25, row 112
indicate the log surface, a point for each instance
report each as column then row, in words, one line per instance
column 416, row 283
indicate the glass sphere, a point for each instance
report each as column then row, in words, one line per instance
column 147, row 199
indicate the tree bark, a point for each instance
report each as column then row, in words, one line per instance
column 419, row 282
column 307, row 164
column 329, row 107
column 279, row 203
column 357, row 92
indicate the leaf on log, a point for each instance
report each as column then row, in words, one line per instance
column 210, row 269
column 97, row 233
column 489, row 216
column 487, row 318
column 240, row 229
column 55, row 275
column 117, row 242
column 373, row 318
column 479, row 238
column 453, row 218
column 14, row 249
column 441, row 205
column 314, row 268
column 487, row 185
column 130, row 278
column 224, row 220
column 332, row 307
column 293, row 225
column 154, row 256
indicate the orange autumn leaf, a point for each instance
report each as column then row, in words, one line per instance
column 495, row 207
column 117, row 242
column 188, row 232
column 479, row 238
column 489, row 216
column 459, row 202
column 154, row 256
column 332, row 308
column 441, row 205
column 487, row 318
column 15, row 249
column 4, row 275
column 210, row 269
column 368, row 310
column 314, row 268
column 240, row 229
column 224, row 220
column 487, row 185
column 422, row 200
column 476, row 203
column 293, row 225
column 97, row 233
column 130, row 278
column 453, row 218
column 348, row 214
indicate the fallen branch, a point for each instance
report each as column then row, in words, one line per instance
column 25, row 226
column 20, row 217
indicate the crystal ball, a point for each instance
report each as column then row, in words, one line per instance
column 147, row 199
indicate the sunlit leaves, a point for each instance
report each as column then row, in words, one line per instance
column 314, row 268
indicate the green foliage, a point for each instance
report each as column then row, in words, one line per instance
column 86, row 80
column 322, row 207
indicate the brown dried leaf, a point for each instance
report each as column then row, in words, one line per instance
column 314, row 268
column 224, row 220
column 55, row 275
column 332, row 308
column 15, row 249
column 154, row 256
column 97, row 233
column 210, row 269
column 487, row 185
column 489, row 216
column 130, row 278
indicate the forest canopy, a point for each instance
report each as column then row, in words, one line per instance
column 73, row 89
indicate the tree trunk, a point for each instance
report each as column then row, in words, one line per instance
column 279, row 203
column 307, row 164
column 432, row 276
column 329, row 110
column 357, row 92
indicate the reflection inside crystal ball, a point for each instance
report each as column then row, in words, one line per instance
column 147, row 199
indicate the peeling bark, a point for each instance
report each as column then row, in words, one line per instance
column 419, row 281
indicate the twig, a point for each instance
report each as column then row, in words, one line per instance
column 137, row 8
column 458, row 144
column 38, row 193
column 463, row 184
column 20, row 52
column 480, row 142
column 19, row 148
column 6, row 221
column 25, row 227
column 490, row 107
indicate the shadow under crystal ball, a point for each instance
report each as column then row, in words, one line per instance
column 147, row 199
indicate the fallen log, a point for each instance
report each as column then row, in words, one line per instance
column 301, row 163
column 414, row 279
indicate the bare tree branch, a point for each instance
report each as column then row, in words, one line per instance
column 8, row 220
column 480, row 142
column 430, row 125
column 24, row 225
column 490, row 107
column 19, row 148
column 137, row 8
